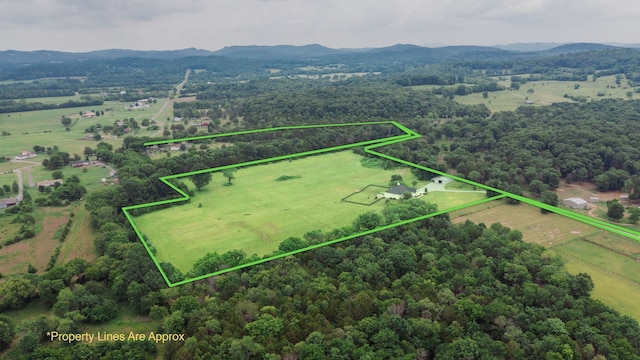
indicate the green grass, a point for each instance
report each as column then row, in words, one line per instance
column 544, row 93
column 598, row 256
column 258, row 212
column 36, row 122
column 89, row 179
column 617, row 293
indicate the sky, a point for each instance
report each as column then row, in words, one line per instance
column 85, row 25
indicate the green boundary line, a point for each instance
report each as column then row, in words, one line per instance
column 369, row 146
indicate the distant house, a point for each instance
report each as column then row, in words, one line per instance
column 594, row 199
column 80, row 163
column 25, row 155
column 441, row 180
column 528, row 102
column 575, row 203
column 5, row 203
column 176, row 118
column 89, row 114
column 48, row 183
column 624, row 197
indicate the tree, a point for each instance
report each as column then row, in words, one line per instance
column 615, row 210
column 65, row 121
column 201, row 180
column 57, row 174
column 15, row 187
column 97, row 137
column 228, row 173
column 396, row 178
column 6, row 332
column 550, row 198
column 367, row 221
column 634, row 215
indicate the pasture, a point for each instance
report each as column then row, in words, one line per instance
column 257, row 212
column 545, row 92
column 44, row 128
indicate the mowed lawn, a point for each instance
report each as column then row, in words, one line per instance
column 257, row 212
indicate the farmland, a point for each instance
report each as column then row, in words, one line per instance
column 257, row 212
column 543, row 92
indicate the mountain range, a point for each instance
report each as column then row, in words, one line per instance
column 9, row 58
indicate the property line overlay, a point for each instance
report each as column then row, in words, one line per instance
column 369, row 147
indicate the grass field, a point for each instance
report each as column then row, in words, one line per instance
column 28, row 128
column 617, row 293
column 257, row 212
column 544, row 93
column 598, row 256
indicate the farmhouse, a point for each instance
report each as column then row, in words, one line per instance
column 89, row 114
column 576, row 203
column 5, row 203
column 594, row 199
column 441, row 180
column 79, row 163
column 25, row 155
column 397, row 191
column 48, row 183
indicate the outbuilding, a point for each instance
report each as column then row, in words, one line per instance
column 576, row 203
column 441, row 180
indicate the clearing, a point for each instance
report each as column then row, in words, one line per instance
column 257, row 212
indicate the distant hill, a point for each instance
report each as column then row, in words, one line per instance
column 13, row 57
column 577, row 47
column 278, row 51
column 538, row 46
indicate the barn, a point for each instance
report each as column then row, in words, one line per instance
column 5, row 203
column 576, row 203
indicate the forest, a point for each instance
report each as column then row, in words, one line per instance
column 428, row 290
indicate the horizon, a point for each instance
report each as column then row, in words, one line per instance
column 549, row 44
column 70, row 26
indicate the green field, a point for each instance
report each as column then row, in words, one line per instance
column 598, row 256
column 545, row 92
column 28, row 128
column 256, row 213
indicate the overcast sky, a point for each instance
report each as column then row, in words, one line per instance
column 84, row 25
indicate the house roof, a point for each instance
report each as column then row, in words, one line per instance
column 400, row 189
column 577, row 201
column 8, row 201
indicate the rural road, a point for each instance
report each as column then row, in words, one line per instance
column 167, row 102
column 29, row 177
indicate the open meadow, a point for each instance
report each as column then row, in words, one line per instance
column 607, row 257
column 44, row 127
column 257, row 212
column 543, row 92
